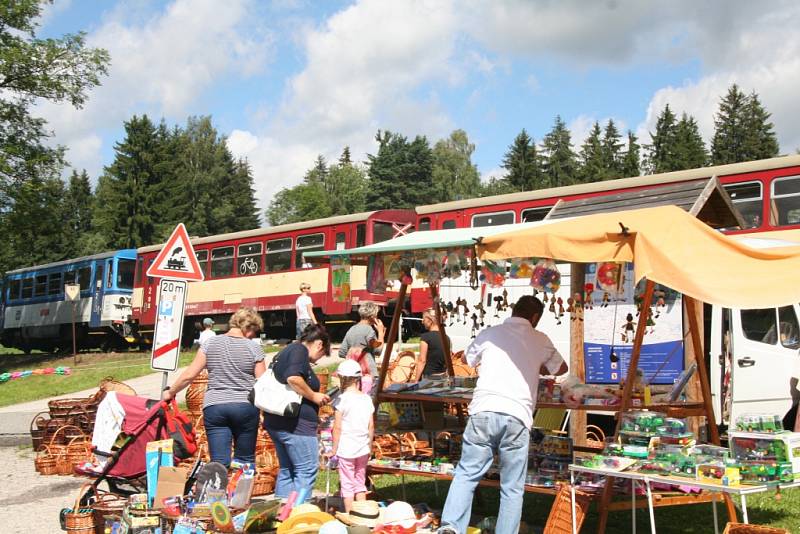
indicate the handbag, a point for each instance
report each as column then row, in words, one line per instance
column 273, row 397
column 180, row 430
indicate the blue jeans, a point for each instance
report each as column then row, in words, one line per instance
column 487, row 434
column 301, row 325
column 237, row 421
column 299, row 462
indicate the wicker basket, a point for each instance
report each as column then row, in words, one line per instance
column 105, row 505
column 78, row 451
column 45, row 463
column 79, row 520
column 560, row 519
column 38, row 427
column 109, row 383
column 742, row 528
column 196, row 392
column 401, row 370
column 264, row 484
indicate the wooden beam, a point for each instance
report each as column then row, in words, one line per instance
column 577, row 418
column 393, row 329
column 705, row 387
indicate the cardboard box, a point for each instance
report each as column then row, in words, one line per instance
column 171, row 481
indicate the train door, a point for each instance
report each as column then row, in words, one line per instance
column 98, row 291
column 763, row 354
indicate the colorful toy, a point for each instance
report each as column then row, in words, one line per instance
column 783, row 448
column 766, row 472
column 642, row 421
column 610, row 276
column 719, row 473
column 493, row 273
column 767, row 423
column 545, row 277
column 60, row 371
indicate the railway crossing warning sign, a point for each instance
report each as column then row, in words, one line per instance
column 169, row 323
column 177, row 260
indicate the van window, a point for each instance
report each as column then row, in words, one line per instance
column 424, row 224
column 279, row 254
column 760, row 325
column 492, row 219
column 13, row 290
column 535, row 214
column 248, row 260
column 54, row 284
column 789, row 329
column 221, row 262
column 40, row 289
column 307, row 243
column 449, row 224
column 785, row 201
column 27, row 288
column 202, row 260
column 748, row 199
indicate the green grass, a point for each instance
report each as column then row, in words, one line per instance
column 763, row 509
column 92, row 367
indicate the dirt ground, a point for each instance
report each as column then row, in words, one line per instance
column 30, row 502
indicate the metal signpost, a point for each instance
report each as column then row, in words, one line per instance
column 72, row 292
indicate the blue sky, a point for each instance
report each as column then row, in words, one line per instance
column 290, row 79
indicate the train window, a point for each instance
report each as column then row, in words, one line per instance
column 382, row 231
column 221, row 262
column 748, row 199
column 248, row 260
column 54, row 284
column 535, row 214
column 449, row 224
column 98, row 276
column 279, row 255
column 40, row 289
column 13, row 289
column 424, row 224
column 27, row 288
column 125, row 270
column 759, row 325
column 84, row 277
column 361, row 235
column 69, row 277
column 492, row 219
column 785, row 201
column 307, row 243
column 202, row 259
column 341, row 241
column 139, row 270
column 109, row 274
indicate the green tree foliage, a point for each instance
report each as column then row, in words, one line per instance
column 454, row 175
column 78, row 208
column 497, row 186
column 592, row 157
column 690, row 150
column 559, row 161
column 31, row 69
column 300, row 203
column 346, row 188
column 742, row 129
column 661, row 151
column 631, row 159
column 612, row 151
column 400, row 174
column 522, row 164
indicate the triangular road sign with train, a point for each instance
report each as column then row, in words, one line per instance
column 177, row 260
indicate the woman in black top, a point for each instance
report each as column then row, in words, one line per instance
column 295, row 438
column 431, row 353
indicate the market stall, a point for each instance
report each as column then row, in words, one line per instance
column 666, row 248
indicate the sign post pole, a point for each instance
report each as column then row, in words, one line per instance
column 72, row 293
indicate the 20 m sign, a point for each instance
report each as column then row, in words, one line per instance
column 169, row 323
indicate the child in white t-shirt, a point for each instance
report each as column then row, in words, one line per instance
column 352, row 433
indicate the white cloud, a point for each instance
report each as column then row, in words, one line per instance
column 497, row 173
column 160, row 66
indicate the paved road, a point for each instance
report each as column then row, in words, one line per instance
column 15, row 420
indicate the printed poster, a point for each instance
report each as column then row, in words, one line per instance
column 340, row 276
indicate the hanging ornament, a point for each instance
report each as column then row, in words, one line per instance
column 610, row 276
column 520, row 268
column 560, row 307
column 493, row 273
column 628, row 328
column 545, row 276
column 660, row 296
column 588, row 289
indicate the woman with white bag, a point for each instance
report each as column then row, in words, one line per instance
column 295, row 436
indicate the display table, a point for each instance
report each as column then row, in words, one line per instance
column 647, row 479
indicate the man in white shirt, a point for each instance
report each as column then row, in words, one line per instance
column 208, row 330
column 304, row 309
column 512, row 355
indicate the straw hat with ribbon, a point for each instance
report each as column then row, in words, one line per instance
column 366, row 513
column 399, row 517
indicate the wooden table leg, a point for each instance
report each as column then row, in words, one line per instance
column 602, row 507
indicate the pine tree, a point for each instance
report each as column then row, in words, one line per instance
column 760, row 141
column 345, row 158
column 400, row 173
column 612, row 151
column 347, row 187
column 690, row 152
column 318, row 174
column 631, row 160
column 559, row 161
column 592, row 157
column 728, row 143
column 454, row 175
column 661, row 153
column 78, row 209
column 522, row 164
column 236, row 207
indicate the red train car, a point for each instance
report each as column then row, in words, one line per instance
column 263, row 268
column 766, row 192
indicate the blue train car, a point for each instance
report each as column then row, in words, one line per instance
column 36, row 313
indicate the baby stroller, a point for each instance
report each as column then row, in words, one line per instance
column 143, row 420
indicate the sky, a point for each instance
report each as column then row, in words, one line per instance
column 288, row 80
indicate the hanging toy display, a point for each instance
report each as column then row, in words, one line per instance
column 545, row 277
column 628, row 328
column 498, row 303
column 493, row 273
column 588, row 289
column 610, row 277
column 462, row 309
column 520, row 268
column 475, row 325
column 577, row 308
column 453, row 262
column 434, row 268
column 481, row 313
column 660, row 297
